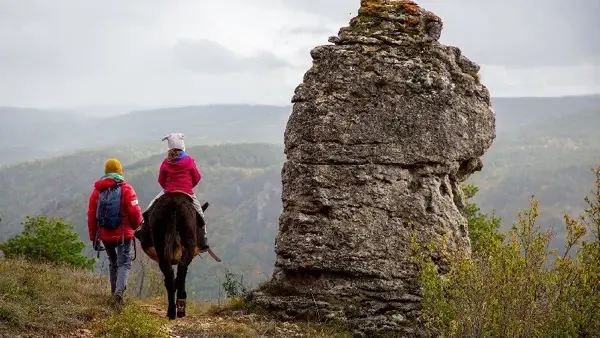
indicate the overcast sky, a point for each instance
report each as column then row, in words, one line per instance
column 180, row 52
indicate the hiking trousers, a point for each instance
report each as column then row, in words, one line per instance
column 119, row 258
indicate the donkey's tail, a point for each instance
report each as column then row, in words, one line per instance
column 171, row 233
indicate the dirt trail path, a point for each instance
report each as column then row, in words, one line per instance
column 203, row 323
column 200, row 324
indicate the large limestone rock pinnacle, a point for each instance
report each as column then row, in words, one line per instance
column 386, row 125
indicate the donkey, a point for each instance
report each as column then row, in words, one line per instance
column 172, row 226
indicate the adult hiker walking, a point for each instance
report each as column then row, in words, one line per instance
column 113, row 215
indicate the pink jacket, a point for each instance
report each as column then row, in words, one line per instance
column 181, row 174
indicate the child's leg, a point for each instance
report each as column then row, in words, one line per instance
column 201, row 234
column 197, row 205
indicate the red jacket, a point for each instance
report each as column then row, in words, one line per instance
column 181, row 174
column 129, row 207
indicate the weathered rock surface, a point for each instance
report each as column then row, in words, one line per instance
column 386, row 125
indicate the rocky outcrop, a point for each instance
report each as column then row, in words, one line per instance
column 386, row 125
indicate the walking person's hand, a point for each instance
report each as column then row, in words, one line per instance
column 98, row 246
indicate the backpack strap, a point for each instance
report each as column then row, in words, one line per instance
column 121, row 210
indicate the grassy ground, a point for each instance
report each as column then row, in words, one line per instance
column 46, row 301
column 38, row 300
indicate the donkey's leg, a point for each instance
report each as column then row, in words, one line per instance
column 180, row 285
column 188, row 236
column 182, row 269
column 169, row 274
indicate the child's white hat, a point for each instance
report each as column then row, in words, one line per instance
column 175, row 141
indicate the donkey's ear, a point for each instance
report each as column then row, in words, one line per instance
column 204, row 206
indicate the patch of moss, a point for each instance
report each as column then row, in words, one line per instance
column 372, row 11
column 408, row 6
column 371, row 7
column 412, row 20
column 382, row 8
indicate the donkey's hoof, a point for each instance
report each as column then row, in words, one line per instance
column 181, row 308
column 171, row 313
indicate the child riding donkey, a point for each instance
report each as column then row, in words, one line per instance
column 179, row 173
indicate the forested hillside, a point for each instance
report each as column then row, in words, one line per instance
column 544, row 147
column 551, row 158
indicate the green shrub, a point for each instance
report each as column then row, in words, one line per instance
column 48, row 240
column 483, row 229
column 514, row 288
column 133, row 322
column 234, row 285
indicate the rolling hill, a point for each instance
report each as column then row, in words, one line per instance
column 517, row 112
column 27, row 134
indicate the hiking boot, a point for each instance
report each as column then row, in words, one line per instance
column 118, row 298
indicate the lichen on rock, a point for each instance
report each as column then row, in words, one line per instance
column 385, row 126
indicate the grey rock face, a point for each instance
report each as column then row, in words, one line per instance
column 386, row 125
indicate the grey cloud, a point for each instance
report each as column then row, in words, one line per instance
column 502, row 32
column 67, row 52
column 67, row 37
column 523, row 33
column 206, row 56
